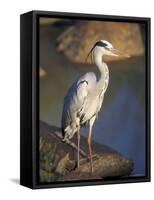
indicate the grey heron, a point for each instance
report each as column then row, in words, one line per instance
column 85, row 97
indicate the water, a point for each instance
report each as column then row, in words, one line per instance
column 121, row 122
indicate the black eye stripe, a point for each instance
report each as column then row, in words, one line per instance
column 100, row 44
column 107, row 48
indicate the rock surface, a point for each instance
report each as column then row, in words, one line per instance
column 105, row 165
column 62, row 157
column 78, row 39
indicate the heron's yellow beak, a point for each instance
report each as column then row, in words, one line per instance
column 116, row 52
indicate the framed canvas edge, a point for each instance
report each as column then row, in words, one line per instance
column 89, row 16
column 35, row 104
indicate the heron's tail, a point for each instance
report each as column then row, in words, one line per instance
column 69, row 132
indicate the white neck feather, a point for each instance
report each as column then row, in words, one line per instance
column 102, row 66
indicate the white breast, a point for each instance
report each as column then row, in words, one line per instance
column 95, row 97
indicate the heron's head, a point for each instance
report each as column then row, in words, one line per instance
column 103, row 47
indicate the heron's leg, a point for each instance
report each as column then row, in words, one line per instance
column 78, row 153
column 90, row 148
column 91, row 122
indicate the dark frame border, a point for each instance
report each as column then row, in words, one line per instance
column 35, row 97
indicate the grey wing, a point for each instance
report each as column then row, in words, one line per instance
column 74, row 103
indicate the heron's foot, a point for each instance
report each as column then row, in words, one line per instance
column 93, row 157
column 87, row 159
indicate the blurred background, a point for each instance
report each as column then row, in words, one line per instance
column 64, row 45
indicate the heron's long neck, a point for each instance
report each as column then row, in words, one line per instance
column 102, row 66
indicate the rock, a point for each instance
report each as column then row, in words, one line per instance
column 62, row 157
column 77, row 40
column 62, row 164
column 104, row 166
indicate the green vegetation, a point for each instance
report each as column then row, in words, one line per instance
column 49, row 160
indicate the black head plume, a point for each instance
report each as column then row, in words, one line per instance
column 99, row 44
